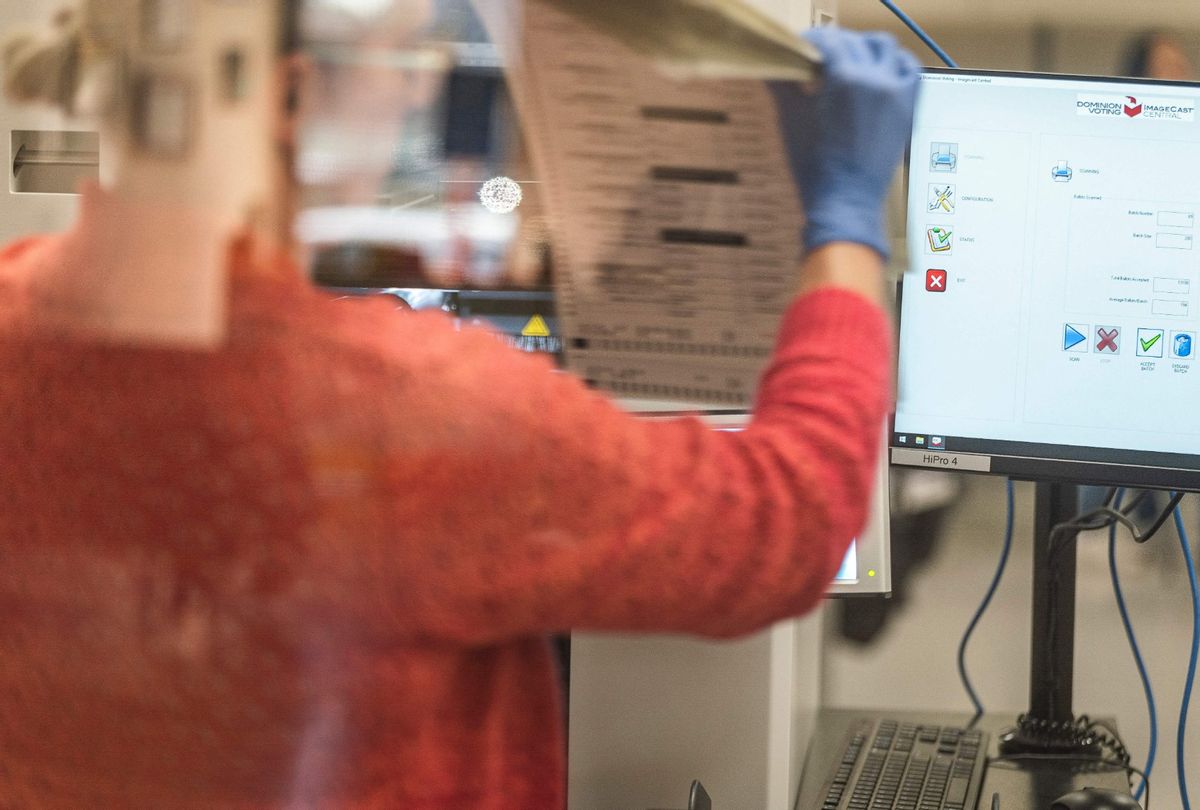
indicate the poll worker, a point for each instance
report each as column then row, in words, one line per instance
column 264, row 549
column 1158, row 55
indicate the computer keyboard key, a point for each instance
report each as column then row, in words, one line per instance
column 905, row 767
column 956, row 792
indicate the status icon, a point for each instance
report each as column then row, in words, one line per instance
column 1075, row 337
column 936, row 280
column 1150, row 342
column 937, row 443
column 1108, row 340
column 940, row 239
column 1183, row 345
column 941, row 198
column 1062, row 172
column 919, row 441
column 902, row 439
column 943, row 157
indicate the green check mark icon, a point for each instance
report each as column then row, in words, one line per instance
column 1147, row 345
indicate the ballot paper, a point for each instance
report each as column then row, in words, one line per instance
column 674, row 219
column 701, row 38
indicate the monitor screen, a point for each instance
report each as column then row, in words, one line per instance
column 1049, row 312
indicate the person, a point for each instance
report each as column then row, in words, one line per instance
column 307, row 553
column 1158, row 55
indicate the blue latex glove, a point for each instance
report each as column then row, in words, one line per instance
column 846, row 134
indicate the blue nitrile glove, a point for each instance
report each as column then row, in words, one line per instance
column 846, row 134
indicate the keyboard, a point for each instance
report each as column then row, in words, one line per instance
column 890, row 765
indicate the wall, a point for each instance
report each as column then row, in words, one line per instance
column 1088, row 44
column 22, row 214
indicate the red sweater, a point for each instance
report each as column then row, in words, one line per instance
column 316, row 568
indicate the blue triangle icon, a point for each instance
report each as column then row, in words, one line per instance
column 1072, row 337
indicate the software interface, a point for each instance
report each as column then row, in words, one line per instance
column 1052, row 291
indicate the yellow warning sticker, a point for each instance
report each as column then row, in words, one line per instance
column 536, row 327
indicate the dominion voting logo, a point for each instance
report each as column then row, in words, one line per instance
column 1131, row 107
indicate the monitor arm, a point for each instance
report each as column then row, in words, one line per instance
column 1050, row 725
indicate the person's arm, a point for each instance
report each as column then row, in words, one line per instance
column 844, row 265
column 524, row 503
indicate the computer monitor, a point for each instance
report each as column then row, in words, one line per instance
column 1050, row 311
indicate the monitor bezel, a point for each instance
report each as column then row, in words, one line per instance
column 1016, row 459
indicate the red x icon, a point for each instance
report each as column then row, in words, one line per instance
column 935, row 280
column 1106, row 339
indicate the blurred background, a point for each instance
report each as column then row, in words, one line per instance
column 1071, row 36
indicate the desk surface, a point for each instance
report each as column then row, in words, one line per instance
column 1022, row 786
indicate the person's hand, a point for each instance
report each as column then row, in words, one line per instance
column 846, row 134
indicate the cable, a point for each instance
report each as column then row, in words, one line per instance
column 1107, row 737
column 1112, row 763
column 916, row 29
column 1106, row 516
column 983, row 606
column 1063, row 535
column 1080, row 734
column 1181, row 738
column 1133, row 645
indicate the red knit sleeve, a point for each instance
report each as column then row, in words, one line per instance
column 524, row 503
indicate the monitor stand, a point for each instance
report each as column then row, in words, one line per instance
column 1049, row 727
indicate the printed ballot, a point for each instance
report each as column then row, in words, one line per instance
column 701, row 38
column 675, row 223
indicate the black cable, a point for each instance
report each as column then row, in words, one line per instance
column 1112, row 763
column 1106, row 516
column 1141, row 495
column 1101, row 518
column 1081, row 732
column 1084, row 731
column 1107, row 738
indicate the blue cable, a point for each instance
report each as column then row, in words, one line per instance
column 916, row 29
column 983, row 606
column 1181, row 738
column 1137, row 653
